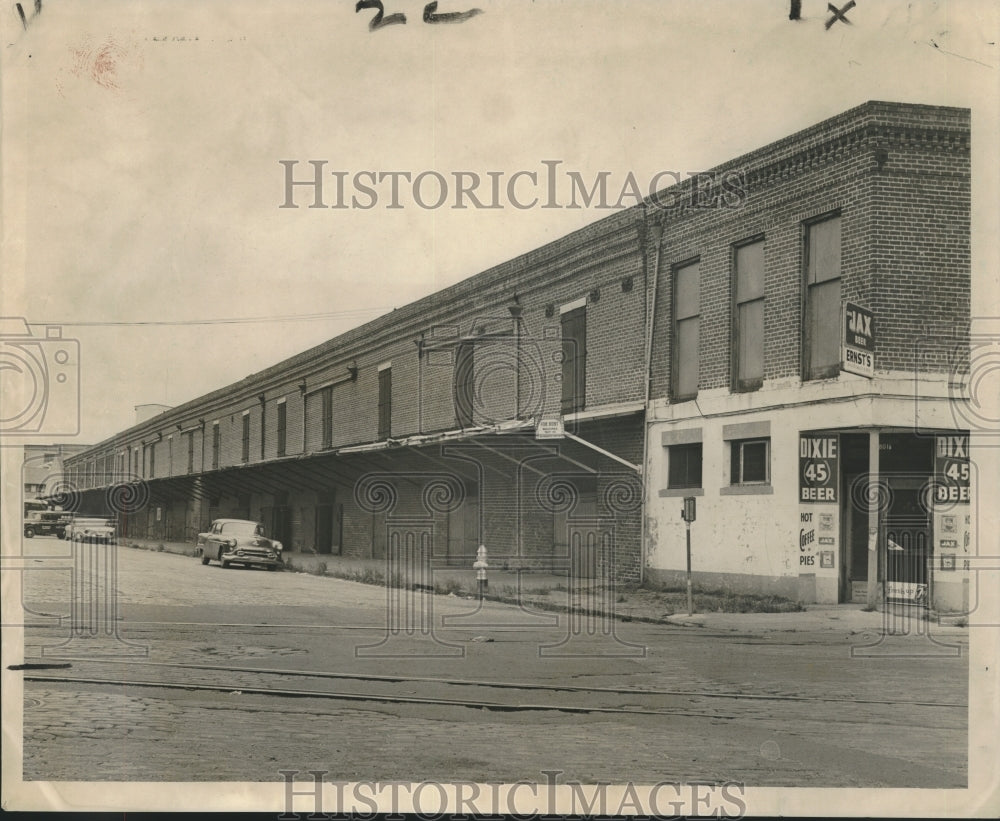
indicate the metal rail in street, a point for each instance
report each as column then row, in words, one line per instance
column 487, row 684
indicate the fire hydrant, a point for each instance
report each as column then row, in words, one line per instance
column 480, row 566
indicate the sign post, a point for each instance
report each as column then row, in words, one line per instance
column 688, row 514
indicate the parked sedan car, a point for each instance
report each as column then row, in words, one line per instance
column 90, row 529
column 239, row 541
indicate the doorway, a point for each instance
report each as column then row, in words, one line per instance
column 906, row 464
column 854, row 507
column 329, row 526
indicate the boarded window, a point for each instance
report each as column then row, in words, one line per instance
column 216, row 445
column 282, row 428
column 326, row 416
column 385, row 403
column 465, row 364
column 748, row 331
column 574, row 359
column 684, row 466
column 821, row 334
column 246, row 437
column 686, row 331
column 190, row 452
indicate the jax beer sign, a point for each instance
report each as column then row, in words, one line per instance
column 858, row 351
column 819, row 467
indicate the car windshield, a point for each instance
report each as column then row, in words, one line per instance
column 242, row 529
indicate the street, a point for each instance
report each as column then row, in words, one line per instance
column 195, row 673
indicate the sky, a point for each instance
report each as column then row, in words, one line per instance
column 142, row 147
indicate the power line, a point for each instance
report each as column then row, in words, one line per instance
column 223, row 321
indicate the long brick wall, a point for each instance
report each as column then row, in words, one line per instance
column 898, row 175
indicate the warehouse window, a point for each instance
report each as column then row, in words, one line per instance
column 151, row 461
column 216, row 445
column 749, row 462
column 574, row 355
column 282, row 428
column 684, row 466
column 686, row 322
column 384, row 401
column 748, row 317
column 190, row 452
column 245, row 456
column 821, row 313
column 263, row 424
column 465, row 386
column 326, row 416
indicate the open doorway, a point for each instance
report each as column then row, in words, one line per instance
column 854, row 508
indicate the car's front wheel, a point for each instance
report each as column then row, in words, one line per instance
column 204, row 559
column 29, row 533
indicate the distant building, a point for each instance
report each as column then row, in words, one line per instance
column 783, row 339
column 44, row 465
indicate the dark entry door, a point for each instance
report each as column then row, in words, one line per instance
column 324, row 528
column 281, row 524
column 463, row 528
column 329, row 527
column 576, row 531
column 907, row 540
column 854, row 505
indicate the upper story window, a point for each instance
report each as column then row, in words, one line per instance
column 465, row 385
column 216, row 445
column 282, row 427
column 748, row 316
column 263, row 425
column 573, row 319
column 821, row 311
column 190, row 451
column 245, row 455
column 326, row 417
column 385, row 401
column 687, row 317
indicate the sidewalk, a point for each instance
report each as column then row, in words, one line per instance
column 549, row 591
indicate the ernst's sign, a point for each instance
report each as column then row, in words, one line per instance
column 858, row 353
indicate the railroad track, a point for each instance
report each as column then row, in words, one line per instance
column 500, row 696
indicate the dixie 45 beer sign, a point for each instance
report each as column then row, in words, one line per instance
column 819, row 467
column 951, row 464
column 858, row 354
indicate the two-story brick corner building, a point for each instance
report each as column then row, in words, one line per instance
column 693, row 345
column 805, row 384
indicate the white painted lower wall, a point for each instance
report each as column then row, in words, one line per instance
column 750, row 539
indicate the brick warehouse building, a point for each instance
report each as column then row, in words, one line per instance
column 700, row 336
